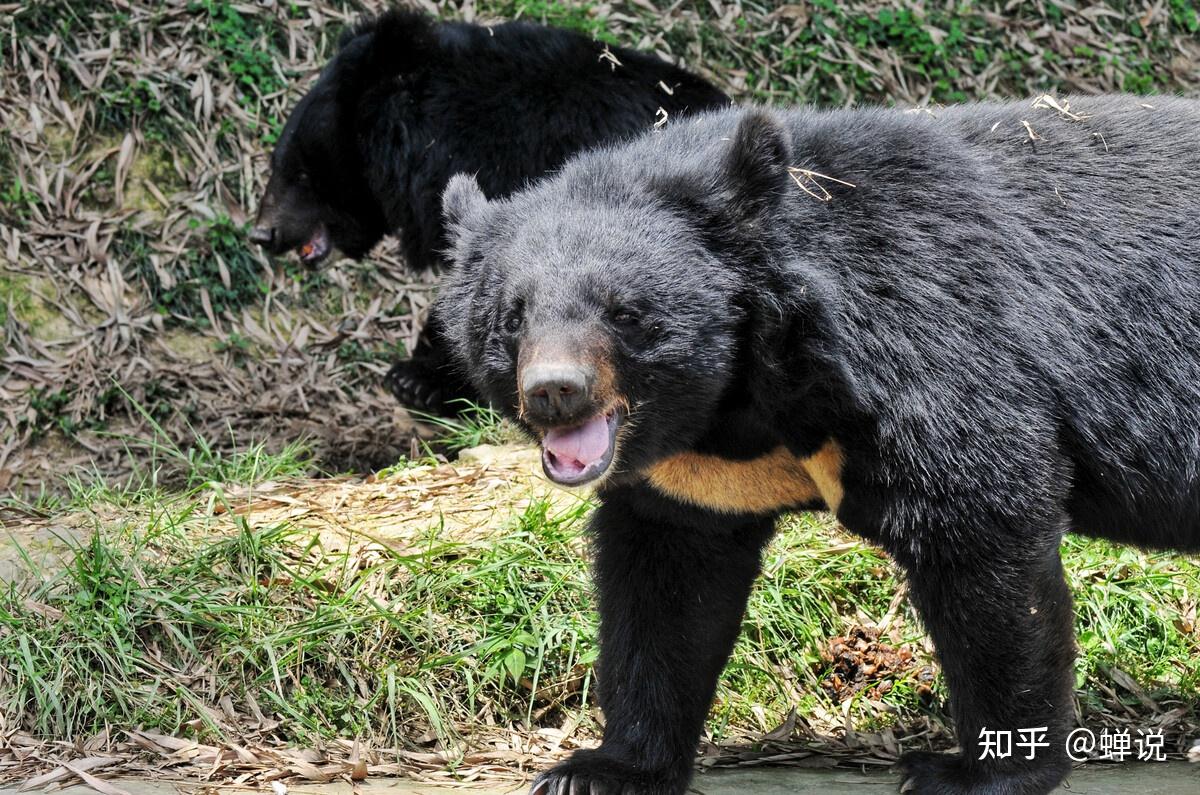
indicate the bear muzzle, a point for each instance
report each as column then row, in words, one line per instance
column 287, row 224
column 578, row 420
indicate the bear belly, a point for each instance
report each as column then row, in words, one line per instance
column 770, row 483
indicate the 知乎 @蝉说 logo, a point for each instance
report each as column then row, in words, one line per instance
column 1081, row 744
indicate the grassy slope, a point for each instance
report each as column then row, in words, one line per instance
column 177, row 602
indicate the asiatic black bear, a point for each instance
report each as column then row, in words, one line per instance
column 407, row 102
column 965, row 332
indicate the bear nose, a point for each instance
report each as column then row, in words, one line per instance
column 556, row 392
column 263, row 236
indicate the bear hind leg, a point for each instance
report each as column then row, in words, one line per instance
column 1003, row 629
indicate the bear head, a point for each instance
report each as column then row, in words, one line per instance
column 318, row 197
column 609, row 310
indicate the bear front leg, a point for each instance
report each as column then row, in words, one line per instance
column 1002, row 625
column 672, row 585
column 429, row 382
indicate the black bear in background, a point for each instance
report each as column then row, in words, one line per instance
column 965, row 333
column 408, row 102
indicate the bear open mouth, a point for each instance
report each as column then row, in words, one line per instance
column 317, row 247
column 574, row 455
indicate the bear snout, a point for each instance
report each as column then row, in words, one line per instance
column 262, row 235
column 269, row 230
column 557, row 392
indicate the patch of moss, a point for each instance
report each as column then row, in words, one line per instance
column 21, row 295
column 186, row 344
column 14, row 296
column 155, row 164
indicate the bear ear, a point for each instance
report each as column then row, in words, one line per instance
column 377, row 49
column 463, row 203
column 404, row 42
column 755, row 171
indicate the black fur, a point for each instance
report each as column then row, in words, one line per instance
column 408, row 102
column 998, row 322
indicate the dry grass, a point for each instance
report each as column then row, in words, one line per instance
column 136, row 156
column 137, row 135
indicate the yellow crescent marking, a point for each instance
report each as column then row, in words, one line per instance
column 772, row 482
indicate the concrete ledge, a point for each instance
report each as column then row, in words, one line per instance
column 1168, row 778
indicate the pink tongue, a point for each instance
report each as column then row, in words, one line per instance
column 317, row 245
column 583, row 445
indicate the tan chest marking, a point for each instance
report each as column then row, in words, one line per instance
column 772, row 482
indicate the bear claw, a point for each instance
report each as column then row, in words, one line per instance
column 591, row 773
column 415, row 387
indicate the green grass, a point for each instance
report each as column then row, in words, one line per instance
column 245, row 42
column 248, row 45
column 581, row 17
column 17, row 199
column 201, row 463
column 169, row 608
column 474, row 425
column 123, row 105
column 382, row 647
column 1134, row 611
column 14, row 296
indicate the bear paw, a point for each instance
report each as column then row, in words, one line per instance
column 925, row 773
column 594, row 773
column 417, row 387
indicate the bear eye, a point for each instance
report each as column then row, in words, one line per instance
column 512, row 324
column 625, row 317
